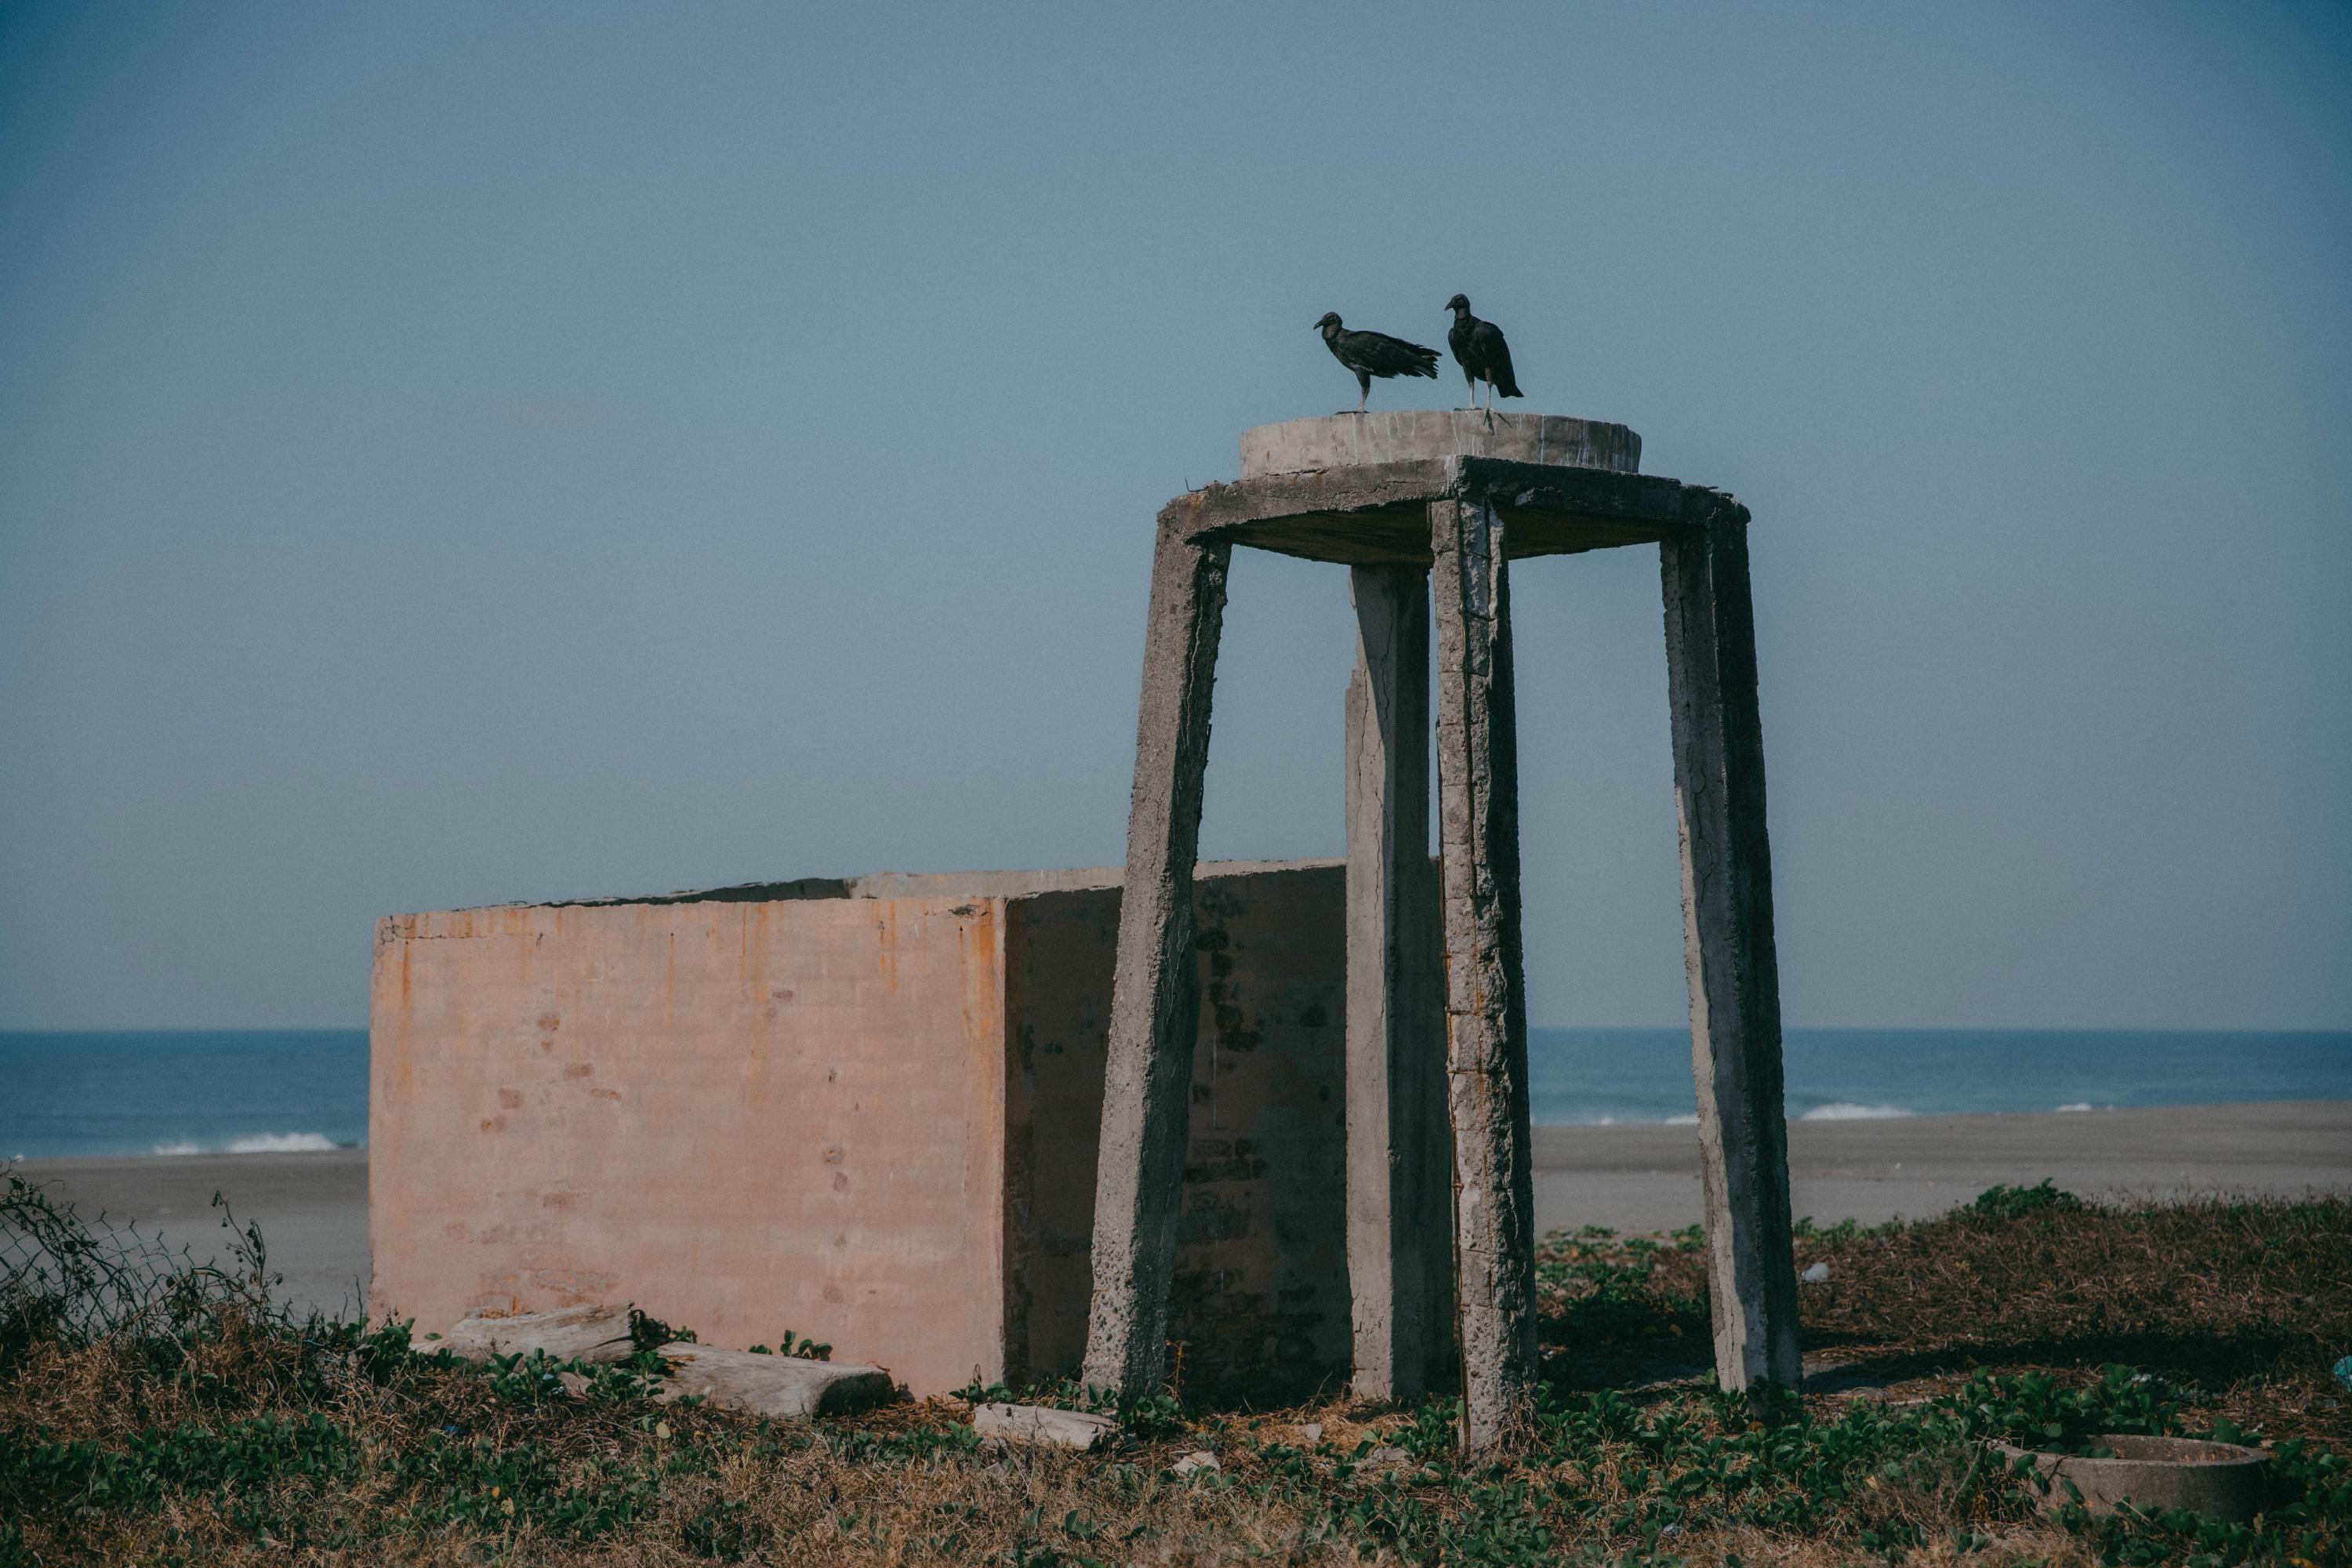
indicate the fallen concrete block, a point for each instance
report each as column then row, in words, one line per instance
column 1037, row 1424
column 778, row 1385
column 590, row 1334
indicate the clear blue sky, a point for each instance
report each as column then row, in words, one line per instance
column 460, row 453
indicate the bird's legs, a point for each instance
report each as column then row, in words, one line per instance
column 1363, row 396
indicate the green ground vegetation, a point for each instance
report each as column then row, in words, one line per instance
column 153, row 1414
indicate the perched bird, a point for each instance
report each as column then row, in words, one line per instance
column 1374, row 353
column 1480, row 349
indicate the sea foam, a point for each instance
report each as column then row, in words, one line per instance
column 281, row 1144
column 256, row 1143
column 1846, row 1111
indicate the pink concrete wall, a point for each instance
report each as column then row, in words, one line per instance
column 870, row 1119
column 743, row 1117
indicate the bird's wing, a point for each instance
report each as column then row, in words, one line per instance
column 1496, row 355
column 1384, row 355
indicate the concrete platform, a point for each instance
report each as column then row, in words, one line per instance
column 1407, row 435
column 1376, row 513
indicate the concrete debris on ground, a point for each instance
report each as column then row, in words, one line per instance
column 777, row 1386
column 590, row 1334
column 2221, row 1480
column 1040, row 1425
column 1200, row 1459
column 771, row 1386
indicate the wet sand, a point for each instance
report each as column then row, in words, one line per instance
column 312, row 1207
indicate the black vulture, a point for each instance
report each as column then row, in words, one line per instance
column 1480, row 349
column 1374, row 353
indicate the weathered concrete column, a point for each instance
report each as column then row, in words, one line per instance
column 1735, row 982
column 1156, row 995
column 1485, row 1001
column 1400, row 1163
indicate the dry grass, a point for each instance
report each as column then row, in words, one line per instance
column 2250, row 1303
column 254, row 1439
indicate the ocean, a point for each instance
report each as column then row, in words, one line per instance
column 174, row 1092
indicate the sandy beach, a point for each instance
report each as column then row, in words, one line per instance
column 1646, row 1177
column 312, row 1207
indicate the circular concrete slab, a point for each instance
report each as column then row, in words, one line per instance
column 2219, row 1479
column 1390, row 435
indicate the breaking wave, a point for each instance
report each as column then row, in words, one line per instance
column 281, row 1144
column 256, row 1143
column 1846, row 1111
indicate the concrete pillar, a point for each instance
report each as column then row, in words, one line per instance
column 1735, row 983
column 1485, row 1001
column 1399, row 1175
column 1156, row 995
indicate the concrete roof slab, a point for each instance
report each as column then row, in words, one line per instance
column 1376, row 513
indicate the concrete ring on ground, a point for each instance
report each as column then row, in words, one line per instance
column 1404, row 435
column 2221, row 1481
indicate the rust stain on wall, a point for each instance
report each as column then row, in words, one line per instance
column 886, row 925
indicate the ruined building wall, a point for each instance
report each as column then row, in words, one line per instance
column 1259, row 1300
column 743, row 1117
column 870, row 1119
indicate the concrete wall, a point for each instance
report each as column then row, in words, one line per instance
column 743, row 1117
column 1260, row 1294
column 863, row 1110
